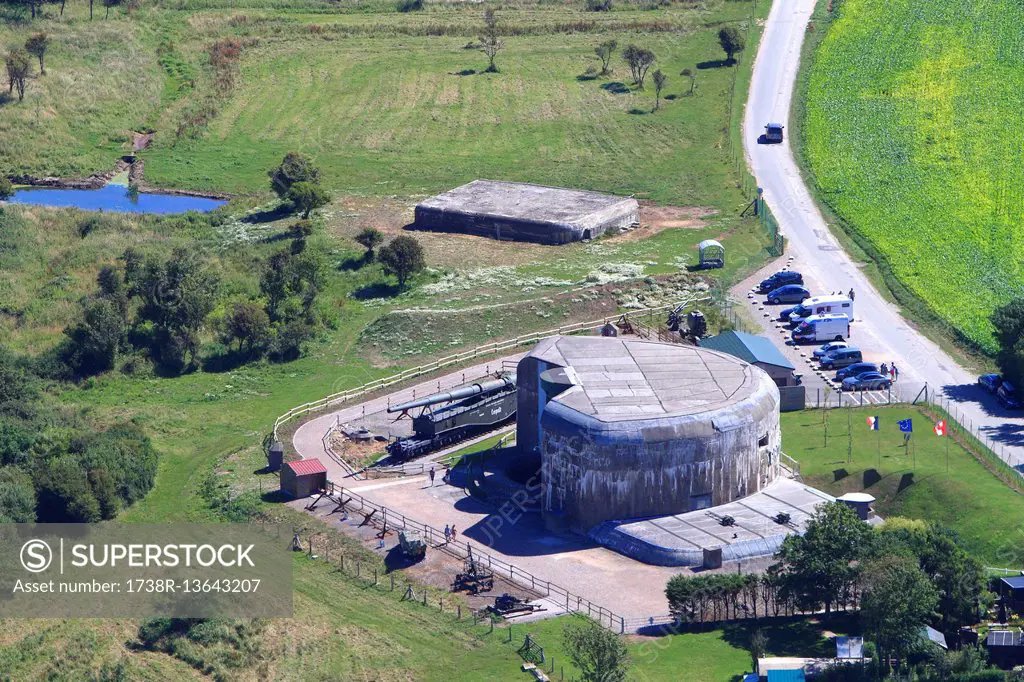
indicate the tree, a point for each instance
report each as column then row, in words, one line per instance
column 95, row 341
column 369, row 238
column 307, row 197
column 6, row 188
column 605, row 51
column 295, row 167
column 490, row 40
column 639, row 60
column 659, row 83
column 819, row 565
column 301, row 229
column 687, row 73
column 1008, row 323
column 248, row 324
column 36, row 45
column 19, row 67
column 90, row 9
column 758, row 646
column 599, row 654
column 177, row 296
column 898, row 600
column 403, row 258
column 732, row 41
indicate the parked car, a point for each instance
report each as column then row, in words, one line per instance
column 1007, row 395
column 789, row 293
column 818, row 328
column 869, row 381
column 990, row 382
column 780, row 278
column 828, row 348
column 786, row 313
column 844, row 357
column 856, row 369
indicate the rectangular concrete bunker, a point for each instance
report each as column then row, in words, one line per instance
column 523, row 212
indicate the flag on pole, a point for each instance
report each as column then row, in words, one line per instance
column 940, row 428
column 906, row 426
column 873, row 423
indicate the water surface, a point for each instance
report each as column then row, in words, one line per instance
column 114, row 198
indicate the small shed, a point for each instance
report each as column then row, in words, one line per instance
column 1011, row 589
column 303, row 477
column 858, row 502
column 711, row 253
column 757, row 350
column 1005, row 647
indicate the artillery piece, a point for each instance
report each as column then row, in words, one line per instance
column 474, row 577
column 470, row 410
column 508, row 605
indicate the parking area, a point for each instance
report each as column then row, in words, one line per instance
column 822, row 387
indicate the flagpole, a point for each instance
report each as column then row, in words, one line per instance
column 946, row 436
column 878, row 441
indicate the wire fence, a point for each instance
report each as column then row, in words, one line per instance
column 573, row 603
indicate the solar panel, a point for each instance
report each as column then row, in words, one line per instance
column 1003, row 638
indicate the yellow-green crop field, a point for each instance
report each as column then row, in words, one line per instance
column 913, row 130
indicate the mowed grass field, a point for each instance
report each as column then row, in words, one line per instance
column 389, row 114
column 909, row 481
column 912, row 130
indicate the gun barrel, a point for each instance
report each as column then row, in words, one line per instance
column 479, row 388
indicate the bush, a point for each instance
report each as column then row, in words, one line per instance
column 409, row 5
column 17, row 496
column 88, row 225
column 599, row 5
column 6, row 188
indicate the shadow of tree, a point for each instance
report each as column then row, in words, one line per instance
column 715, row 63
column 587, row 77
column 637, row 111
column 282, row 210
column 377, row 290
column 615, row 87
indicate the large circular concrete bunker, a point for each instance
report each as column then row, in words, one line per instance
column 627, row 428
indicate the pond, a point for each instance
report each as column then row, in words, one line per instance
column 114, row 198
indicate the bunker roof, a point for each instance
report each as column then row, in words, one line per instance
column 620, row 379
column 524, row 201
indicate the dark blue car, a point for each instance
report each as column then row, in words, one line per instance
column 791, row 293
column 780, row 278
column 990, row 382
column 856, row 369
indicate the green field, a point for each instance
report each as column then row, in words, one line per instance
column 912, row 482
column 912, row 133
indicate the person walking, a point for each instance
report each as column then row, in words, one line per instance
column 447, row 534
column 455, row 533
column 447, row 473
column 884, row 370
column 896, row 372
column 851, row 293
column 431, row 477
column 892, row 371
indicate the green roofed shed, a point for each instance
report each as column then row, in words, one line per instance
column 757, row 350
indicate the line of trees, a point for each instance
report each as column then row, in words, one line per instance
column 35, row 7
column 900, row 577
column 18, row 62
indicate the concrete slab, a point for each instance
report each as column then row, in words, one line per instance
column 680, row 540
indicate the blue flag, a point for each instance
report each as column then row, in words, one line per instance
column 906, row 426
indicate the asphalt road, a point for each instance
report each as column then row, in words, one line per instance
column 879, row 323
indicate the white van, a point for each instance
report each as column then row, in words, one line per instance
column 821, row 305
column 819, row 328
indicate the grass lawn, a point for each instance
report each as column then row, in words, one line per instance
column 912, row 142
column 912, row 482
column 717, row 655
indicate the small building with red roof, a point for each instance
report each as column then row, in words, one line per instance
column 303, row 477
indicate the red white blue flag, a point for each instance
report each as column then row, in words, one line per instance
column 873, row 423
